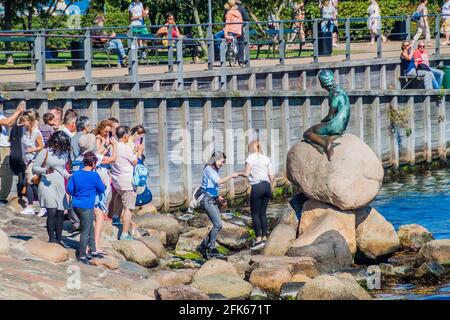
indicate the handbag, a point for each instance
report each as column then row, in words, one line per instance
column 36, row 179
column 144, row 197
column 423, row 67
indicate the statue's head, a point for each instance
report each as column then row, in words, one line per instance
column 326, row 78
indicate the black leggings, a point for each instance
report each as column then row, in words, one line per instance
column 30, row 190
column 55, row 223
column 259, row 199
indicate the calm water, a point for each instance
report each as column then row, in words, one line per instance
column 422, row 199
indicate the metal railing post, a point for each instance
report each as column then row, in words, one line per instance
column 87, row 60
column 282, row 43
column 180, row 76
column 39, row 53
column 133, row 63
column 170, row 52
column 223, row 62
column 316, row 40
column 408, row 28
column 437, row 28
column 247, row 57
column 347, row 40
column 210, row 37
column 379, row 42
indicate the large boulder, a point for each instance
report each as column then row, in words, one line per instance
column 154, row 243
column 108, row 261
column 136, row 251
column 413, row 236
column 270, row 279
column 180, row 293
column 170, row 278
column 350, row 180
column 163, row 222
column 437, row 250
column 145, row 287
column 279, row 240
column 296, row 265
column 216, row 266
column 376, row 238
column 318, row 218
column 330, row 250
column 289, row 218
column 231, row 287
column 47, row 251
column 233, row 236
column 4, row 243
column 430, row 272
column 326, row 287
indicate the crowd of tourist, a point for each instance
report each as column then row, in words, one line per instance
column 66, row 169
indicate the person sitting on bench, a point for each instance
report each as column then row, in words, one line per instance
column 164, row 31
column 409, row 67
column 108, row 43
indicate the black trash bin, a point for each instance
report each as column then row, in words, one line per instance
column 399, row 31
column 77, row 54
column 325, row 43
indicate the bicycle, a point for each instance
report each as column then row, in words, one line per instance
column 232, row 53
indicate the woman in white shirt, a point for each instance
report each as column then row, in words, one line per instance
column 374, row 22
column 258, row 170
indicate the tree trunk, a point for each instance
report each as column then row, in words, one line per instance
column 7, row 25
column 199, row 28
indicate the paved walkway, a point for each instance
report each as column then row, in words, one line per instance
column 360, row 51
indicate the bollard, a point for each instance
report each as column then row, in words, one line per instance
column 180, row 76
column 87, row 60
column 223, row 62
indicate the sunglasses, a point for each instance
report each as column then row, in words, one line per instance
column 420, row 47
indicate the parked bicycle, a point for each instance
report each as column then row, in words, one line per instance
column 232, row 53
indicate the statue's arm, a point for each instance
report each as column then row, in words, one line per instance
column 331, row 113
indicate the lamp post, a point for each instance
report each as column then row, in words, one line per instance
column 210, row 36
column 209, row 12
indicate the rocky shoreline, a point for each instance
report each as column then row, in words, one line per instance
column 162, row 263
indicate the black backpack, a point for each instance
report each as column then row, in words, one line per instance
column 16, row 157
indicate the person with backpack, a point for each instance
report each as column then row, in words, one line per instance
column 6, row 177
column 50, row 166
column 211, row 200
column 86, row 145
column 423, row 26
column 124, row 194
column 84, row 186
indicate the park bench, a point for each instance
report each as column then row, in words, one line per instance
column 412, row 82
column 271, row 39
column 8, row 37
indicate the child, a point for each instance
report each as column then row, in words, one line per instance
column 47, row 128
column 83, row 186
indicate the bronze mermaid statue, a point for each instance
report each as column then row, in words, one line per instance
column 322, row 135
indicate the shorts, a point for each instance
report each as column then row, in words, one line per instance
column 139, row 30
column 123, row 199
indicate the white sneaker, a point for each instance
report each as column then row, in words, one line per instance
column 28, row 211
column 42, row 212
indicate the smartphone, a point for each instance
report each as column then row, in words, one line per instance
column 110, row 134
column 142, row 140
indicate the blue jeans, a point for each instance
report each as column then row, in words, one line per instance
column 438, row 78
column 116, row 45
column 209, row 204
column 217, row 39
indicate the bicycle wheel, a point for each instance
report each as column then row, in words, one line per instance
column 230, row 55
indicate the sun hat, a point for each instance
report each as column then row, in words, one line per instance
column 87, row 143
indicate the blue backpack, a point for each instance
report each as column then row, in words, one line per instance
column 140, row 174
column 416, row 16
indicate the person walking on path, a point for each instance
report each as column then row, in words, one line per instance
column 374, row 22
column 137, row 15
column 258, row 170
column 299, row 14
column 445, row 11
column 84, row 186
column 329, row 23
column 211, row 201
column 50, row 164
column 124, row 195
column 6, row 177
column 423, row 25
column 233, row 25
